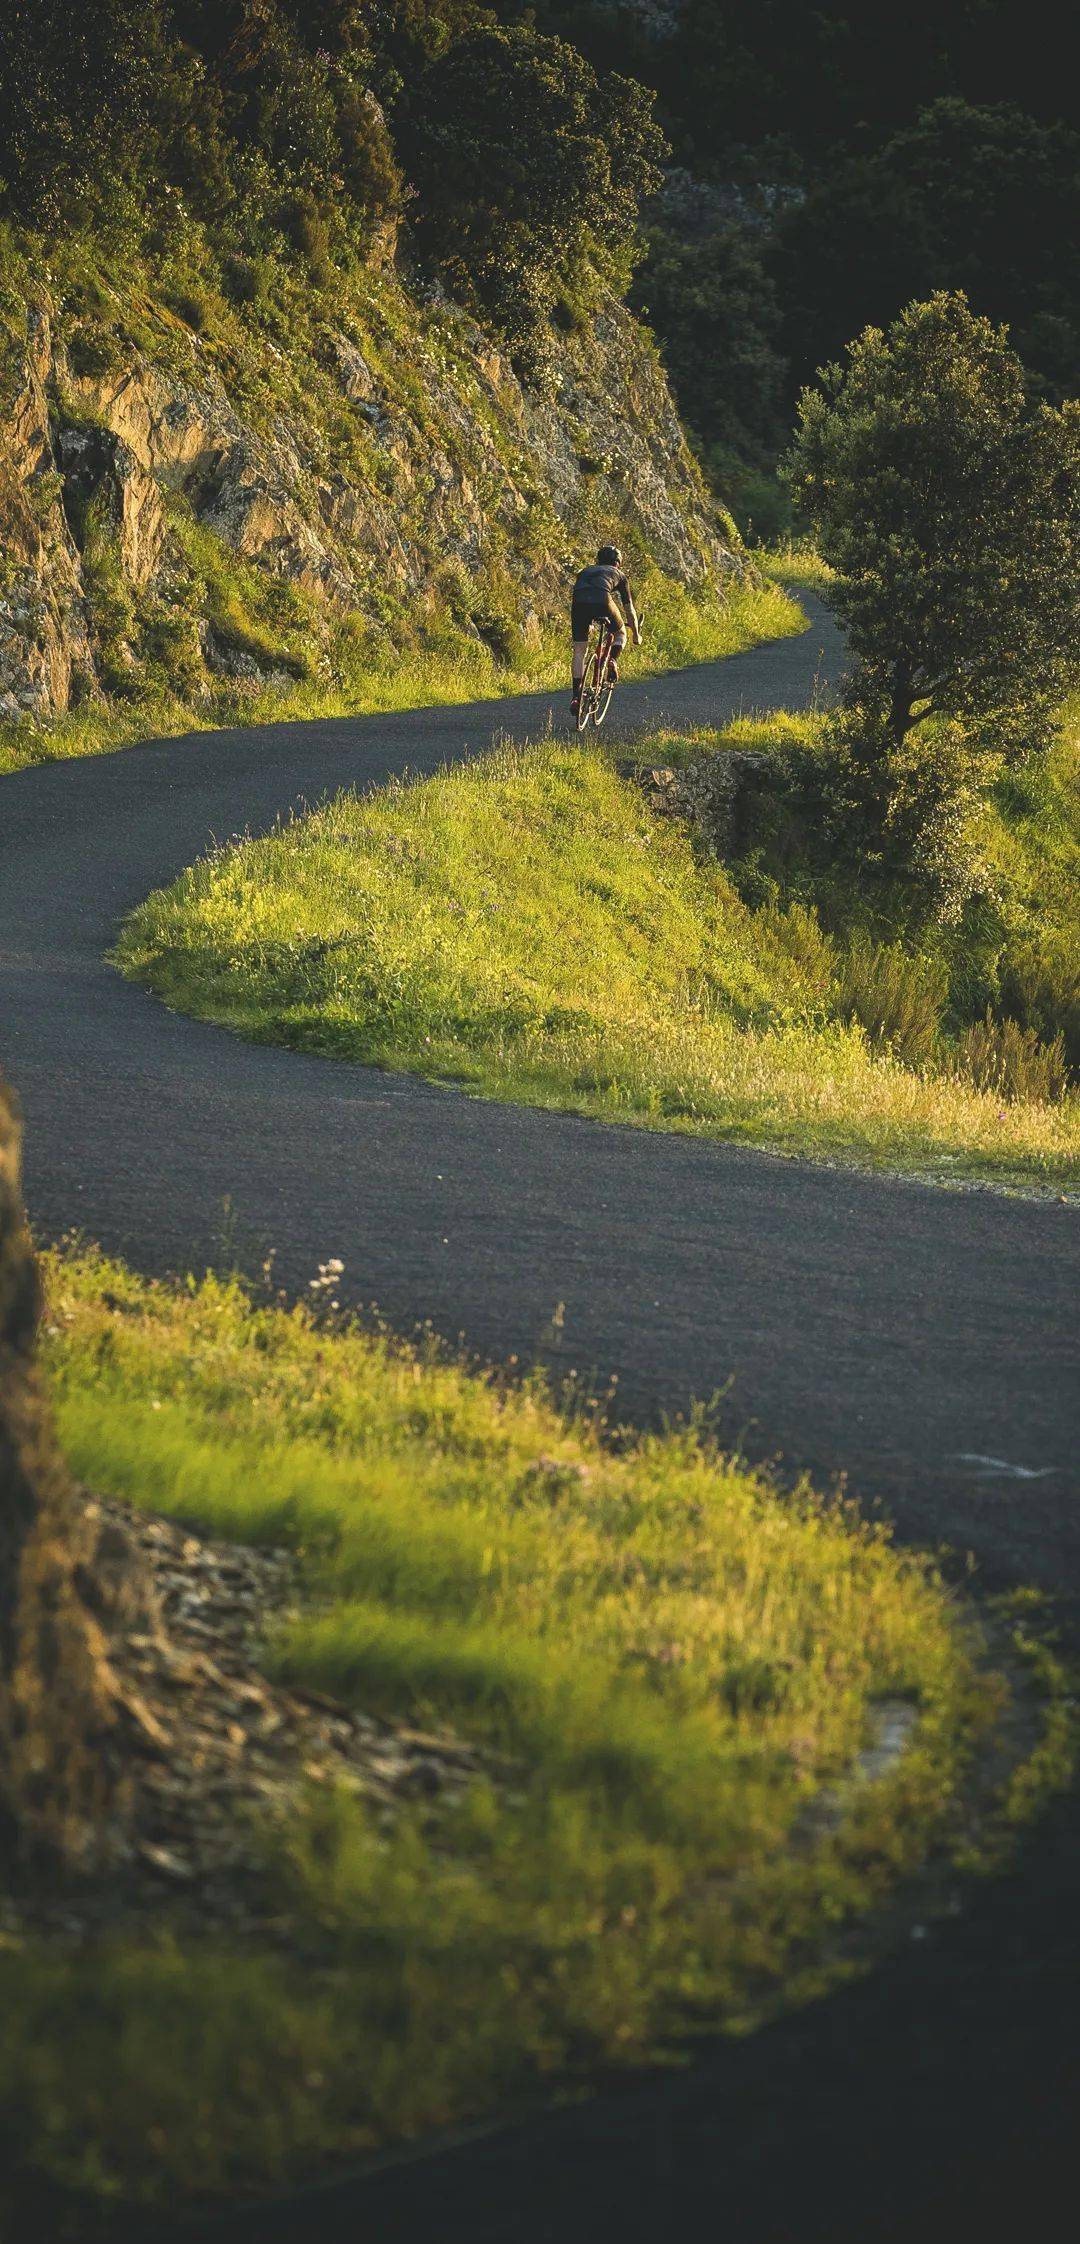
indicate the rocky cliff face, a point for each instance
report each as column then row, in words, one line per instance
column 197, row 498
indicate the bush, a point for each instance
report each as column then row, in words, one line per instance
column 243, row 279
column 303, row 224
column 897, row 819
column 192, row 309
column 897, row 995
column 1002, row 1057
column 1040, row 985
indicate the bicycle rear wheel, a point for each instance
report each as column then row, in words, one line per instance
column 605, row 684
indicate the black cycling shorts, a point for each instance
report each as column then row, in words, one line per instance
column 584, row 613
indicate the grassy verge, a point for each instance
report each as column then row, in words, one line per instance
column 674, row 1660
column 527, row 927
column 790, row 561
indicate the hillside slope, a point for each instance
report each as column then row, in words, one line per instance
column 200, row 495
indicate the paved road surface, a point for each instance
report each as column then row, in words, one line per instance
column 880, row 1329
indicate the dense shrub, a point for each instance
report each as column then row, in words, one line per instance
column 77, row 97
column 897, row 821
column 304, row 225
column 1040, row 985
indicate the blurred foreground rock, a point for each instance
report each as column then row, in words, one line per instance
column 70, row 1583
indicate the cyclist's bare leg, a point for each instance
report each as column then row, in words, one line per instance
column 580, row 650
column 618, row 647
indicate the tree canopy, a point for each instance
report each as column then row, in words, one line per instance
column 949, row 507
column 986, row 200
column 530, row 171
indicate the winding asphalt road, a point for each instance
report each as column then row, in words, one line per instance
column 918, row 1341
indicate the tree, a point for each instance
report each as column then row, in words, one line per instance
column 530, row 172
column 707, row 294
column 950, row 509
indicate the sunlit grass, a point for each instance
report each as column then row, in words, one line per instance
column 793, row 561
column 526, row 927
column 672, row 1659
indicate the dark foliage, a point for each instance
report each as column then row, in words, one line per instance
column 980, row 199
column 868, row 156
column 707, row 295
column 950, row 509
column 800, row 84
column 530, row 172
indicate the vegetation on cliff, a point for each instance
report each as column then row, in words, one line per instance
column 261, row 449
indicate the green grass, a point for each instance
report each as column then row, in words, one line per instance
column 791, row 561
column 1032, row 840
column 675, row 1659
column 526, row 927
column 367, row 672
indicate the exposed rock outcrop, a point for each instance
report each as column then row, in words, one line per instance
column 394, row 444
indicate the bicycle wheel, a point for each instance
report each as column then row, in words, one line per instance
column 605, row 683
column 587, row 696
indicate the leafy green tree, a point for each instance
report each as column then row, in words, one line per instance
column 530, row 172
column 950, row 509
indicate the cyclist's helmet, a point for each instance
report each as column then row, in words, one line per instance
column 609, row 557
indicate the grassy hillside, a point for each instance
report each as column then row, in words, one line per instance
column 529, row 928
column 660, row 1674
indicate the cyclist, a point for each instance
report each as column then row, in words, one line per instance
column 602, row 594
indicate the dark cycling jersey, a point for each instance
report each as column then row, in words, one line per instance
column 602, row 590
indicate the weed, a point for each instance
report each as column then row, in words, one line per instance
column 1002, row 1057
column 897, row 994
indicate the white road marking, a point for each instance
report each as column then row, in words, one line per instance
column 997, row 1468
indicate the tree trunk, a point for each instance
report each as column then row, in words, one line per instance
column 901, row 704
column 70, row 1583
